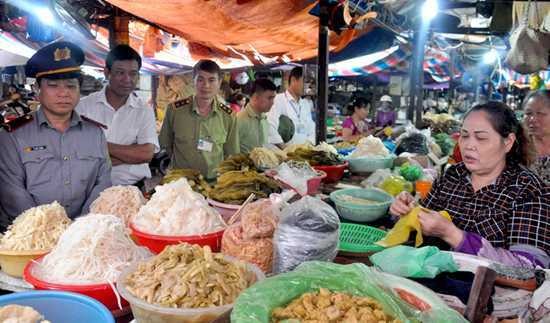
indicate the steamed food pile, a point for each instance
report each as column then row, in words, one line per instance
column 122, row 201
column 327, row 306
column 176, row 210
column 93, row 250
column 188, row 276
column 36, row 229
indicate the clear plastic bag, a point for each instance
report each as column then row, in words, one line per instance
column 308, row 230
column 376, row 178
column 251, row 239
column 256, row 303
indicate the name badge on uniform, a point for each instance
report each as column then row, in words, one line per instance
column 34, row 148
column 301, row 129
column 205, row 145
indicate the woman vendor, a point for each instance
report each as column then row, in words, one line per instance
column 355, row 127
column 537, row 121
column 500, row 210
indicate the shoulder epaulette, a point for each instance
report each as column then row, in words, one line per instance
column 12, row 125
column 99, row 124
column 182, row 102
column 225, row 108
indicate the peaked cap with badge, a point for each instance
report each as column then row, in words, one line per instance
column 59, row 60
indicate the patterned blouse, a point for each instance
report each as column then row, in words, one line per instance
column 541, row 167
column 513, row 211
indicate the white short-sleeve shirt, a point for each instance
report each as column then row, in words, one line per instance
column 299, row 112
column 133, row 123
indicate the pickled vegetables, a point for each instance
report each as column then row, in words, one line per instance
column 234, row 187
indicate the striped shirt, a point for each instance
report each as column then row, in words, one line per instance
column 514, row 210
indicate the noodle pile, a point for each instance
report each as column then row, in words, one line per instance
column 175, row 209
column 36, row 229
column 94, row 249
column 122, row 201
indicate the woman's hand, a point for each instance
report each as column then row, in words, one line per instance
column 403, row 204
column 434, row 225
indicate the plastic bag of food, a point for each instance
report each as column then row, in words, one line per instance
column 376, row 178
column 410, row 172
column 394, row 185
column 295, row 174
column 395, row 294
column 308, row 230
column 405, row 261
column 251, row 239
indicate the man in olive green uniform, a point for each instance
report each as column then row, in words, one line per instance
column 200, row 132
column 252, row 121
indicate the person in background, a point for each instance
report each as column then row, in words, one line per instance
column 199, row 132
column 355, row 126
column 500, row 209
column 386, row 114
column 57, row 155
column 237, row 102
column 252, row 120
column 129, row 123
column 537, row 121
column 292, row 106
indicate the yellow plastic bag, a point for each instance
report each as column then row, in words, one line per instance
column 402, row 229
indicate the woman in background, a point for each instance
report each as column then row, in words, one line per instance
column 355, row 127
column 537, row 122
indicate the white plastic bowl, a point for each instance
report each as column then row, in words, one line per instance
column 151, row 313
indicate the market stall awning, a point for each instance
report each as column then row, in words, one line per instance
column 272, row 28
column 437, row 63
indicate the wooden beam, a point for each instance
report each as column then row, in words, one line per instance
column 322, row 72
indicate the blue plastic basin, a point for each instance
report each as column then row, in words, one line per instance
column 61, row 307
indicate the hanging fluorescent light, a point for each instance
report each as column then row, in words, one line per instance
column 45, row 15
column 490, row 57
column 430, row 9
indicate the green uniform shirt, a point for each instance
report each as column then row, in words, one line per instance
column 184, row 131
column 253, row 129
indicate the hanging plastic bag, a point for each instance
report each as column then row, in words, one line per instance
column 257, row 302
column 308, row 230
column 404, row 261
column 529, row 47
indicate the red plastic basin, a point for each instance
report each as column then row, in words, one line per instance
column 101, row 292
column 334, row 173
column 156, row 243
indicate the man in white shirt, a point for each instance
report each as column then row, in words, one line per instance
column 128, row 123
column 294, row 107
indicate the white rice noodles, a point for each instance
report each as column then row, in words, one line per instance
column 36, row 229
column 93, row 250
column 176, row 210
column 370, row 147
column 122, row 201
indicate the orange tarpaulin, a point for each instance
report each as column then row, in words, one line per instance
column 266, row 27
